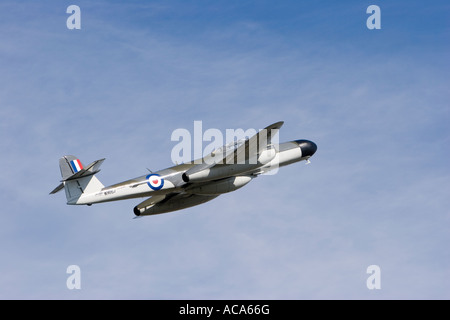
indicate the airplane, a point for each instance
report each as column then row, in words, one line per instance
column 226, row 169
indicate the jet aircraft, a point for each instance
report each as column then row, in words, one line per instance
column 185, row 185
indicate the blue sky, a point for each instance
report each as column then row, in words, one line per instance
column 374, row 101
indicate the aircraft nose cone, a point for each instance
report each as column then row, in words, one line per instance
column 308, row 147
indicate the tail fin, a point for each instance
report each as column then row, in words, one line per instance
column 69, row 165
column 78, row 179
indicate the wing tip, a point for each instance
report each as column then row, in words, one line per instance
column 276, row 125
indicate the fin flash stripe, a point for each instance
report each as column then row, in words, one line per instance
column 76, row 165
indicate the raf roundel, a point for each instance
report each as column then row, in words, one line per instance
column 155, row 182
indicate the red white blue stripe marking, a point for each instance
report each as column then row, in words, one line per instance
column 76, row 165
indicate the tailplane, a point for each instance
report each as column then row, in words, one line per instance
column 78, row 179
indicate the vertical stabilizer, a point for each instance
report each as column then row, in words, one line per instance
column 75, row 189
column 69, row 165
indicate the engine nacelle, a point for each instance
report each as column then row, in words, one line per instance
column 220, row 171
column 221, row 186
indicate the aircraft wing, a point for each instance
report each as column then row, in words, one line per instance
column 251, row 148
column 254, row 145
column 170, row 202
column 247, row 153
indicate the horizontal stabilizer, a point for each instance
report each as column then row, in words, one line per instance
column 58, row 188
column 90, row 169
